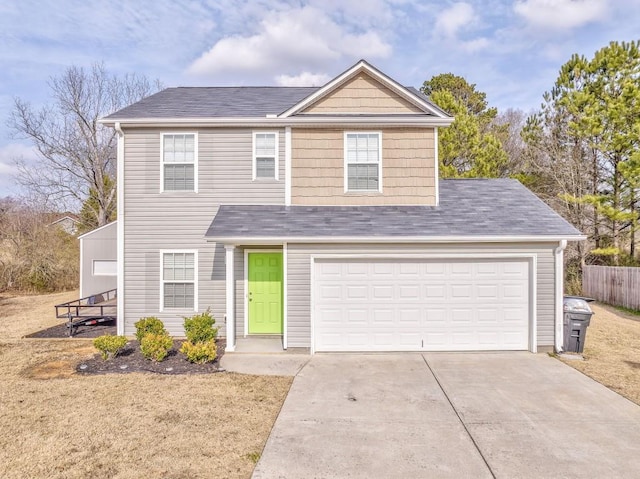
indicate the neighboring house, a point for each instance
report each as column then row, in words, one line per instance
column 316, row 215
column 98, row 260
column 68, row 223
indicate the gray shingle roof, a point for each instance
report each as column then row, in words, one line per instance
column 468, row 208
column 215, row 102
column 222, row 102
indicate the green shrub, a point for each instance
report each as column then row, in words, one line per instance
column 156, row 346
column 199, row 327
column 110, row 346
column 149, row 325
column 200, row 352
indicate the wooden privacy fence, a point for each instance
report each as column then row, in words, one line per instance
column 615, row 285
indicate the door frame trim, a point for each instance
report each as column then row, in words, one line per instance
column 531, row 258
column 246, row 287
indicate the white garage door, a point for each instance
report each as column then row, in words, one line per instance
column 420, row 305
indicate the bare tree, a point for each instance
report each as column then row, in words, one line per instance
column 76, row 154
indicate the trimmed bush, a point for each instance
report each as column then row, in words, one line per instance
column 110, row 346
column 201, row 352
column 149, row 325
column 156, row 346
column 199, row 327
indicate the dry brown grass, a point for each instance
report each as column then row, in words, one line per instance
column 56, row 424
column 612, row 352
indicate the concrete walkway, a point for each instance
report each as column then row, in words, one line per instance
column 501, row 415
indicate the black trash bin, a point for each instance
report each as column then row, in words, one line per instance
column 577, row 316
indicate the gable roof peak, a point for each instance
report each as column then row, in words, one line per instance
column 363, row 66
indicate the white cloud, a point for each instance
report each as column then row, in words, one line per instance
column 303, row 79
column 475, row 45
column 451, row 20
column 454, row 24
column 301, row 38
column 561, row 14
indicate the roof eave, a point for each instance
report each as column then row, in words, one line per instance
column 418, row 120
column 271, row 240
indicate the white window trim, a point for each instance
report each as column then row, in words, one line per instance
column 195, row 161
column 276, row 158
column 195, row 278
column 346, row 163
column 93, row 267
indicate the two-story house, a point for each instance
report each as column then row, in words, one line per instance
column 317, row 215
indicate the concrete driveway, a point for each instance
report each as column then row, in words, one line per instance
column 504, row 415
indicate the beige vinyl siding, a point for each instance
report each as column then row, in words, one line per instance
column 299, row 279
column 155, row 221
column 362, row 94
column 408, row 168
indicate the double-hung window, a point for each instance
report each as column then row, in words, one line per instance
column 179, row 280
column 179, row 162
column 265, row 155
column 363, row 164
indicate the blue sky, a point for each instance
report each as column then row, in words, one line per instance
column 512, row 50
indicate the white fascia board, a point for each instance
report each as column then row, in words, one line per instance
column 390, row 239
column 375, row 73
column 89, row 233
column 332, row 120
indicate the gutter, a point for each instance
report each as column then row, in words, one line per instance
column 390, row 239
column 559, row 293
column 417, row 121
column 120, row 230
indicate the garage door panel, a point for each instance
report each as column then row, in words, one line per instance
column 488, row 315
column 409, row 317
column 409, row 270
column 434, row 269
column 383, row 317
column 383, row 291
column 461, row 291
column 434, row 315
column 435, row 291
column 409, row 305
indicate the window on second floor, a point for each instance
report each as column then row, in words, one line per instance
column 362, row 161
column 265, row 155
column 178, row 280
column 179, row 162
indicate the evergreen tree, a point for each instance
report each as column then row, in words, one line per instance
column 468, row 148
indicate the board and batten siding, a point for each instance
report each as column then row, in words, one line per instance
column 155, row 221
column 299, row 279
column 408, row 168
column 362, row 94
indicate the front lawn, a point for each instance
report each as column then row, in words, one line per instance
column 612, row 351
column 55, row 423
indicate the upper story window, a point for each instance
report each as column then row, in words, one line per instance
column 179, row 162
column 363, row 163
column 178, row 280
column 265, row 155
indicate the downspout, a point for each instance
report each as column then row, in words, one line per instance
column 120, row 230
column 559, row 293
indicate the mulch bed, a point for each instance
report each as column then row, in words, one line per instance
column 85, row 331
column 131, row 361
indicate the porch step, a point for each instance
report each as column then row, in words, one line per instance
column 259, row 344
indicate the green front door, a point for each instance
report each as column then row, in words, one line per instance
column 265, row 293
